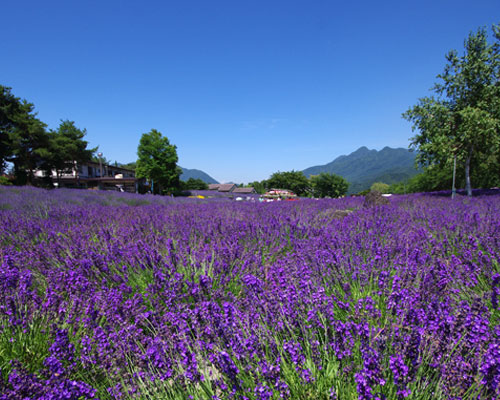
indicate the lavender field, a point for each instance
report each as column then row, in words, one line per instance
column 119, row 296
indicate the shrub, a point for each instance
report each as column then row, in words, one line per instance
column 380, row 187
column 5, row 181
column 375, row 198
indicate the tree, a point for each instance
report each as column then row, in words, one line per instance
column 9, row 107
column 380, row 187
column 23, row 138
column 259, row 186
column 25, row 142
column 328, row 185
column 157, row 162
column 195, row 184
column 462, row 123
column 295, row 181
column 131, row 165
column 67, row 148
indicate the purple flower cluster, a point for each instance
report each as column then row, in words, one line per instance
column 109, row 295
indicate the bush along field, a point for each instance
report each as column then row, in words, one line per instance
column 117, row 296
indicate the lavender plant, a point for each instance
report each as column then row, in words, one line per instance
column 118, row 296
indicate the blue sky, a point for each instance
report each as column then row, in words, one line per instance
column 242, row 88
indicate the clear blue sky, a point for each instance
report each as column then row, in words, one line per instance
column 242, row 88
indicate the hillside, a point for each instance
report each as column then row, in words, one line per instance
column 364, row 167
column 196, row 174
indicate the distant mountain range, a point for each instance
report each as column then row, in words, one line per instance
column 364, row 167
column 361, row 168
column 196, row 174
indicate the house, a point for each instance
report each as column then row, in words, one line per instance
column 93, row 170
column 89, row 175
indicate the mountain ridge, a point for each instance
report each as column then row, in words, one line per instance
column 196, row 174
column 364, row 166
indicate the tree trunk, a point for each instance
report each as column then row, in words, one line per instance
column 30, row 177
column 468, row 186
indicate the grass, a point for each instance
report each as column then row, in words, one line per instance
column 29, row 344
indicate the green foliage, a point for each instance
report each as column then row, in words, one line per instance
column 131, row 165
column 433, row 178
column 322, row 185
column 27, row 344
column 260, row 187
column 380, row 187
column 194, row 184
column 23, row 138
column 4, row 181
column 157, row 162
column 68, row 148
column 486, row 172
column 463, row 121
column 363, row 192
column 25, row 142
column 9, row 107
column 439, row 177
column 295, row 181
column 328, row 185
column 399, row 188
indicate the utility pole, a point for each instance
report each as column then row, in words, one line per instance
column 100, row 164
column 100, row 169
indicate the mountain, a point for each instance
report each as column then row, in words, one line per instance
column 364, row 167
column 196, row 174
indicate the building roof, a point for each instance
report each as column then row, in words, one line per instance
column 109, row 166
column 222, row 187
column 226, row 187
column 244, row 190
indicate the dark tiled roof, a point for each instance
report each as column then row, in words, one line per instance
column 213, row 186
column 244, row 190
column 226, row 187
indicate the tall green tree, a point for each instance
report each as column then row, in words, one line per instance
column 23, row 137
column 259, row 186
column 328, row 185
column 68, row 149
column 157, row 162
column 194, row 184
column 295, row 181
column 9, row 108
column 462, row 121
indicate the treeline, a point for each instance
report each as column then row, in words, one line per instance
column 27, row 144
column 440, row 177
column 457, row 139
column 322, row 185
column 458, row 129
